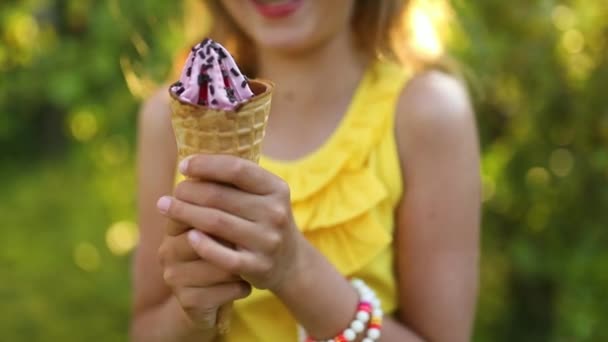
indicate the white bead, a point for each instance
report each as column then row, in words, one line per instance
column 373, row 333
column 376, row 302
column 357, row 283
column 349, row 334
column 366, row 297
column 357, row 326
column 301, row 334
column 377, row 313
column 362, row 316
column 367, row 340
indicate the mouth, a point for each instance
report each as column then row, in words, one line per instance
column 274, row 9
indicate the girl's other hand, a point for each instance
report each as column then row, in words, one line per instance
column 199, row 286
column 238, row 202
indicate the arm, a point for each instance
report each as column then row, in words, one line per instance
column 439, row 217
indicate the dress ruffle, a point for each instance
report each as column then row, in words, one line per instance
column 333, row 190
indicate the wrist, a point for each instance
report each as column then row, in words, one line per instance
column 185, row 328
column 298, row 276
column 315, row 286
column 167, row 322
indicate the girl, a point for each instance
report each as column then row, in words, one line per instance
column 370, row 171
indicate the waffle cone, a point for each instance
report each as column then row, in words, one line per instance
column 200, row 129
column 239, row 132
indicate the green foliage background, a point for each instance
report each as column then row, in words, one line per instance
column 538, row 71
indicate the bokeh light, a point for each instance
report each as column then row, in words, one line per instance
column 538, row 177
column 86, row 256
column 121, row 237
column 561, row 162
column 83, row 125
column 573, row 41
column 580, row 66
column 563, row 17
column 425, row 38
column 21, row 29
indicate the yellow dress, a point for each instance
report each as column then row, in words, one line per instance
column 343, row 197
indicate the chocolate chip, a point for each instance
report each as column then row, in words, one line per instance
column 210, row 60
column 214, row 102
column 202, row 78
column 221, row 53
column 243, row 84
column 230, row 93
column 205, row 41
column 234, row 72
column 201, row 54
column 189, row 71
column 206, row 67
column 211, row 89
column 180, row 91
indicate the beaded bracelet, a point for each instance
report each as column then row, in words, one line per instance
column 368, row 318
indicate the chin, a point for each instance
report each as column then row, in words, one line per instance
column 286, row 40
column 290, row 25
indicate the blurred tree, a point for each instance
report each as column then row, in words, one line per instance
column 540, row 71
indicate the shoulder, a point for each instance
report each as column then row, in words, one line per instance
column 155, row 108
column 155, row 134
column 155, row 115
column 433, row 111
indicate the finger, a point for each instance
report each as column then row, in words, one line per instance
column 201, row 302
column 222, row 197
column 177, row 249
column 197, row 273
column 215, row 222
column 242, row 173
column 175, row 228
column 231, row 260
column 172, row 228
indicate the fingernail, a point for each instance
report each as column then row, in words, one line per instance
column 195, row 236
column 163, row 204
column 183, row 165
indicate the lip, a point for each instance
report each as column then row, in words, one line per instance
column 278, row 10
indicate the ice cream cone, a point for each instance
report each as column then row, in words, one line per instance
column 238, row 132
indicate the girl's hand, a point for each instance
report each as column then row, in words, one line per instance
column 243, row 205
column 199, row 286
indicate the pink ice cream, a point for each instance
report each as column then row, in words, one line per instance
column 211, row 78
